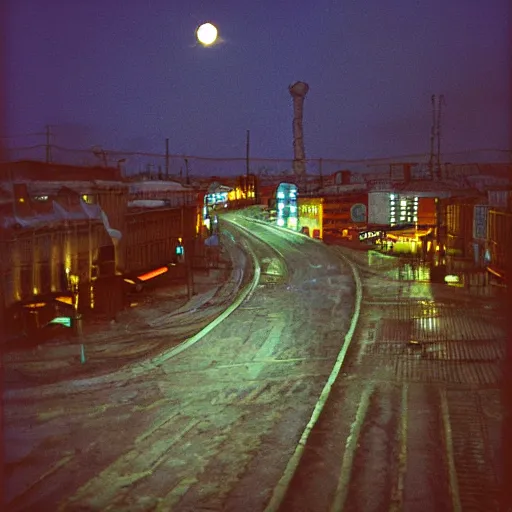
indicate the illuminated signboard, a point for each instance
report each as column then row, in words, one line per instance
column 286, row 202
column 369, row 235
column 358, row 212
column 216, row 198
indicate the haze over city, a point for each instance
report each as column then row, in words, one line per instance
column 127, row 76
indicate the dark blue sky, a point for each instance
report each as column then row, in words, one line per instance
column 126, row 74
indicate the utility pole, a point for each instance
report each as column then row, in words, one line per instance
column 438, row 130
column 48, row 145
column 186, row 171
column 166, row 158
column 247, row 145
column 435, row 136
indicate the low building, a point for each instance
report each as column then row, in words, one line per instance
column 408, row 212
column 499, row 232
column 68, row 238
column 311, row 216
column 344, row 213
column 154, row 231
column 49, row 247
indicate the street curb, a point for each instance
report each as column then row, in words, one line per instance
column 246, row 292
column 283, row 485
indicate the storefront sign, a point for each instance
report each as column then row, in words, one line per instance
column 480, row 222
column 368, row 235
column 358, row 212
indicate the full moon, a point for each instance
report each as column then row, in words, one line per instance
column 206, row 34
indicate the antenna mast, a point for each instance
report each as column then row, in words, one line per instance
column 432, row 137
column 438, row 130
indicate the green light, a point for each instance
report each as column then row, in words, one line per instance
column 63, row 320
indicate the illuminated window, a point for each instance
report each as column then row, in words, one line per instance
column 41, row 198
column 87, row 198
column 392, row 196
column 402, row 218
column 415, row 219
column 403, row 202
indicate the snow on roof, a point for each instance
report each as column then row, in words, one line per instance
column 164, row 186
column 336, row 189
column 147, row 203
column 56, row 214
column 82, row 187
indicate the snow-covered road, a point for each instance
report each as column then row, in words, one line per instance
column 212, row 428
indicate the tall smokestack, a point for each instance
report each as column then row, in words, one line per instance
column 298, row 90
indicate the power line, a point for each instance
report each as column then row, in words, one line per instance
column 21, row 135
column 50, row 148
column 27, row 148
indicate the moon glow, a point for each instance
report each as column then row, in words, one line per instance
column 207, row 34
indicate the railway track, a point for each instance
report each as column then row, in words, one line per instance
column 412, row 421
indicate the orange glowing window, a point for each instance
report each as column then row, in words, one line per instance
column 153, row 273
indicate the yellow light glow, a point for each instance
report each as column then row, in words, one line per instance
column 35, row 305
column 207, row 34
column 65, row 300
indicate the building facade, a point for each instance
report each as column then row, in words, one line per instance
column 67, row 241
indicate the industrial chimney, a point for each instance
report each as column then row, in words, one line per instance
column 298, row 90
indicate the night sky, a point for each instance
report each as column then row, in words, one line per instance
column 126, row 74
